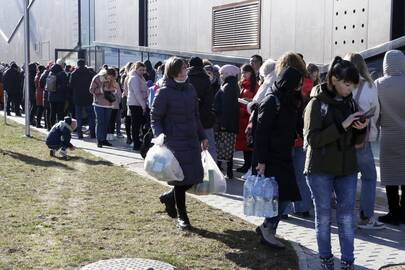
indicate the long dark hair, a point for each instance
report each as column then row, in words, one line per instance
column 342, row 70
column 253, row 79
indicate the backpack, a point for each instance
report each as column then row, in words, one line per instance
column 251, row 128
column 50, row 85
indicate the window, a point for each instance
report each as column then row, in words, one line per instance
column 129, row 56
column 236, row 26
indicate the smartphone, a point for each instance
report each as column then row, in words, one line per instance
column 368, row 114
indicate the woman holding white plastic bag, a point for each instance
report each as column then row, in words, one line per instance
column 175, row 114
column 275, row 134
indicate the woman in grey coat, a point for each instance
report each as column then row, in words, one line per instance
column 391, row 93
column 175, row 113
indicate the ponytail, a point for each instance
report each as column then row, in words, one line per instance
column 342, row 70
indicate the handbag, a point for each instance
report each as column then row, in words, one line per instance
column 109, row 96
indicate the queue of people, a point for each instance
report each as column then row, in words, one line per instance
column 313, row 136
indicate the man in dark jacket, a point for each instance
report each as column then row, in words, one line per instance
column 80, row 81
column 32, row 71
column 58, row 98
column 199, row 78
column 12, row 85
column 47, row 106
column 59, row 137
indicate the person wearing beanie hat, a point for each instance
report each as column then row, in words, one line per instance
column 59, row 137
column 226, row 107
column 199, row 78
column 195, row 61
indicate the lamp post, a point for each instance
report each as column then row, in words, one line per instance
column 26, row 70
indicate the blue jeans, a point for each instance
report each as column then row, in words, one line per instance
column 299, row 161
column 273, row 222
column 212, row 149
column 90, row 119
column 103, row 119
column 365, row 161
column 322, row 187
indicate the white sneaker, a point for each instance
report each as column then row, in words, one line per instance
column 119, row 135
column 370, row 224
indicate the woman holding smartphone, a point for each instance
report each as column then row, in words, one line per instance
column 332, row 128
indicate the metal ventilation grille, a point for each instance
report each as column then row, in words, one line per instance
column 236, row 26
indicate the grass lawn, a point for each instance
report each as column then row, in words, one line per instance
column 57, row 214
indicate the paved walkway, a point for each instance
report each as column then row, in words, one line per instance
column 373, row 249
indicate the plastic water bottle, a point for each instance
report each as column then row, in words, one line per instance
column 248, row 200
column 258, row 194
column 275, row 196
column 268, row 198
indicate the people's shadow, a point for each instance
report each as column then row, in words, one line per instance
column 90, row 161
column 34, row 161
column 248, row 252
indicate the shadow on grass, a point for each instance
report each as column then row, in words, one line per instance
column 249, row 253
column 34, row 161
column 90, row 161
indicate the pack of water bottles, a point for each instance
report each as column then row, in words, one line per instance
column 260, row 196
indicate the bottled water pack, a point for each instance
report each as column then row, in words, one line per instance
column 260, row 197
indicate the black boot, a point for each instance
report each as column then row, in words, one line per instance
column 170, row 204
column 100, row 144
column 392, row 217
column 229, row 169
column 183, row 222
column 247, row 156
column 180, row 197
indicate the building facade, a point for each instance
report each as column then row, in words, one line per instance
column 115, row 32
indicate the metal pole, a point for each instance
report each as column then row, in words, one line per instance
column 26, row 70
column 5, row 106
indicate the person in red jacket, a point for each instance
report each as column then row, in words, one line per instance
column 39, row 95
column 249, row 87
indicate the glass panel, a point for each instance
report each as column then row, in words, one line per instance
column 92, row 21
column 129, row 56
column 99, row 58
column 111, row 57
column 85, row 21
column 155, row 57
column 92, row 58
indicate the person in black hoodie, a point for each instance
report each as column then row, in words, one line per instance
column 80, row 81
column 199, row 78
column 12, row 85
column 32, row 72
column 58, row 98
column 226, row 107
column 274, row 139
column 150, row 74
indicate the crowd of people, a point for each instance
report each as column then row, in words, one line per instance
column 314, row 136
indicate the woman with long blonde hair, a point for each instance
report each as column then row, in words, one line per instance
column 366, row 97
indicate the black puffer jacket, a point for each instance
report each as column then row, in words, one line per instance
column 80, row 83
column 12, row 81
column 201, row 82
column 226, row 106
column 61, row 93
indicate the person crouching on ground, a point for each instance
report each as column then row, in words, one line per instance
column 59, row 137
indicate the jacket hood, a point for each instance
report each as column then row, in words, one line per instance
column 394, row 63
column 56, row 69
column 323, row 93
column 173, row 84
column 197, row 71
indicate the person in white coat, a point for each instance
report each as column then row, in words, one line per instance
column 137, row 97
column 366, row 97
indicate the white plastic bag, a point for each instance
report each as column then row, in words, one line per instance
column 214, row 180
column 161, row 163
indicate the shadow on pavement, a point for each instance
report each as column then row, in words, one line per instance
column 35, row 161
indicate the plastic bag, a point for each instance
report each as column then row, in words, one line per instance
column 214, row 180
column 161, row 163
